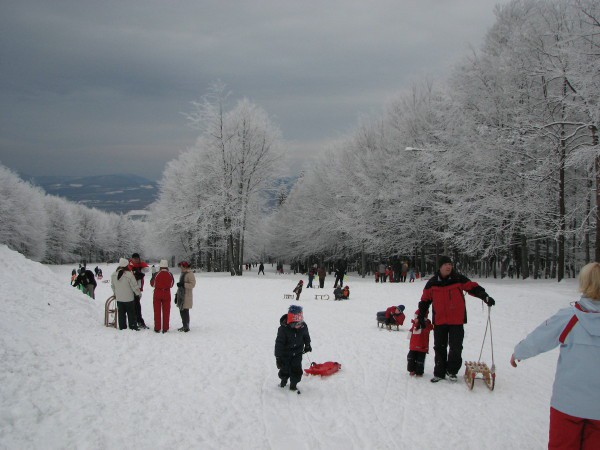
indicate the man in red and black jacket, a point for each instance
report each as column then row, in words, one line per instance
column 445, row 292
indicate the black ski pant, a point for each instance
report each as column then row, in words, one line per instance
column 138, row 309
column 126, row 313
column 292, row 369
column 261, row 270
column 447, row 343
column 416, row 362
column 321, row 282
column 185, row 318
column 340, row 279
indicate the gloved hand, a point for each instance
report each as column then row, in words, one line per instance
column 278, row 363
column 180, row 284
column 489, row 301
column 421, row 322
column 307, row 348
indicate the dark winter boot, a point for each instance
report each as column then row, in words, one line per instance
column 293, row 387
column 283, row 382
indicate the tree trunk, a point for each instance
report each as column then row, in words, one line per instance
column 524, row 257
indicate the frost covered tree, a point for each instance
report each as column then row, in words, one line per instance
column 22, row 216
column 209, row 195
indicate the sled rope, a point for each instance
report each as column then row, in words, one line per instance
column 488, row 325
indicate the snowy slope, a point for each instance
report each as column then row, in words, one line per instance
column 66, row 381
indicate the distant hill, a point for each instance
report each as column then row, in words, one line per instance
column 112, row 193
column 125, row 193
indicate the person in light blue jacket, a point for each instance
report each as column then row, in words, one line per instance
column 575, row 403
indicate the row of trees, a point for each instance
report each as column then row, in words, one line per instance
column 497, row 165
column 53, row 230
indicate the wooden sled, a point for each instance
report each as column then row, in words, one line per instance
column 325, row 369
column 481, row 371
column 289, row 296
column 322, row 297
column 110, row 312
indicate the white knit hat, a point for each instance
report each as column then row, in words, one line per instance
column 123, row 262
column 163, row 263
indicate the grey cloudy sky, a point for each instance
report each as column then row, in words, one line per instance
column 98, row 87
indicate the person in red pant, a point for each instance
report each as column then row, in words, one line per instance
column 162, row 283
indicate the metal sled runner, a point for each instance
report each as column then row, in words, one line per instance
column 110, row 312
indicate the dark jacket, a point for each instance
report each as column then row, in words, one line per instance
column 446, row 296
column 290, row 341
column 84, row 278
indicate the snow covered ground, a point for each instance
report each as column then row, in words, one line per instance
column 66, row 381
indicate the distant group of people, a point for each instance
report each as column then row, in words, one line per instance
column 395, row 275
column 127, row 284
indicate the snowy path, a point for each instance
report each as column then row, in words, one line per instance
column 68, row 382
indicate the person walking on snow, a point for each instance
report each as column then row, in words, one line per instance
column 125, row 288
column 162, row 282
column 292, row 341
column 418, row 346
column 187, row 282
column 298, row 289
column 444, row 291
column 574, row 406
column 261, row 268
column 322, row 273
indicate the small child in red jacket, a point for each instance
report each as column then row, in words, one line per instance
column 394, row 315
column 419, row 346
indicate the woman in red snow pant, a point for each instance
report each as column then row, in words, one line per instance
column 162, row 283
column 569, row 432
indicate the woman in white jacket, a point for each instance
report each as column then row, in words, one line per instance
column 575, row 403
column 125, row 287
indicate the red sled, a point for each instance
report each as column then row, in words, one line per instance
column 325, row 369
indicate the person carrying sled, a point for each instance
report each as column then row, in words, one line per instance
column 418, row 346
column 292, row 341
column 139, row 269
column 574, row 410
column 86, row 280
column 298, row 289
column 394, row 315
column 184, row 298
column 345, row 293
column 444, row 292
column 125, row 288
column 162, row 282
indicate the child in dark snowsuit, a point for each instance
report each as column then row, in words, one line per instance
column 292, row 341
column 337, row 293
column 418, row 347
column 298, row 289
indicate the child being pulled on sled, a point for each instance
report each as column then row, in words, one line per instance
column 394, row 315
column 298, row 289
column 292, row 341
column 418, row 346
